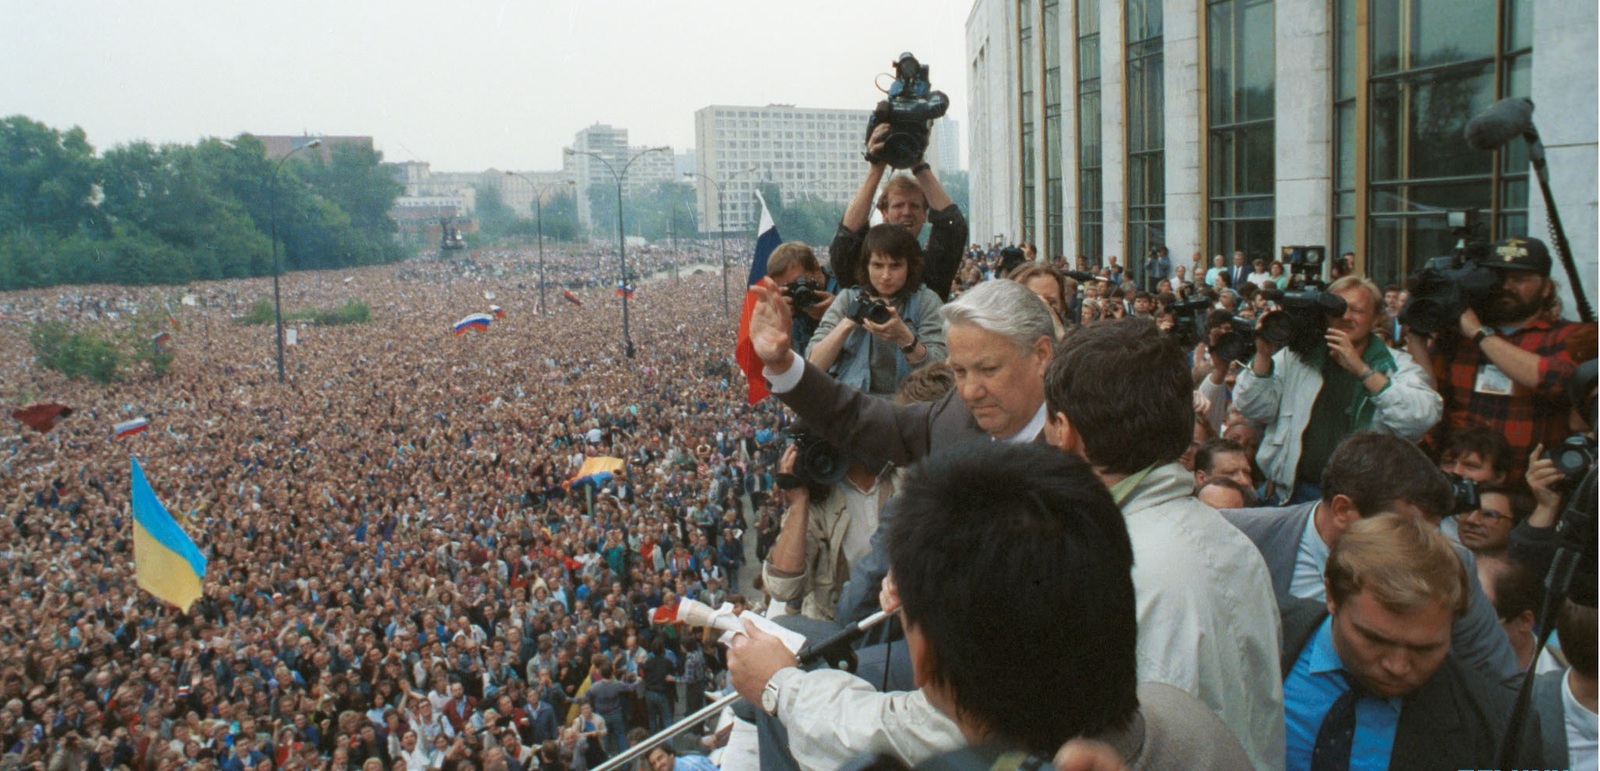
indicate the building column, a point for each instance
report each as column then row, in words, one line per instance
column 1184, row 114
column 1303, row 123
column 1067, row 29
column 1564, row 80
column 1114, row 132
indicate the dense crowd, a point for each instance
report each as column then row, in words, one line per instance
column 398, row 576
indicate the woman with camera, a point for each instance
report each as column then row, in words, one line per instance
column 877, row 332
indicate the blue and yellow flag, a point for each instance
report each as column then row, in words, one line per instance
column 166, row 562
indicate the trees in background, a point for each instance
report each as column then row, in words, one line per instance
column 147, row 214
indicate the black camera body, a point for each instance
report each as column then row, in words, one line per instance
column 910, row 112
column 1445, row 287
column 1464, row 495
column 870, row 309
column 1573, row 458
column 819, row 467
column 1300, row 323
column 803, row 292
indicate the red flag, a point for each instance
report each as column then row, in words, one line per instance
column 745, row 351
column 571, row 298
column 42, row 417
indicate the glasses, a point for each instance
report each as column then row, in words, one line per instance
column 1490, row 515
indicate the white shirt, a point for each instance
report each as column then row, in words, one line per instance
column 1310, row 560
column 861, row 508
column 1581, row 729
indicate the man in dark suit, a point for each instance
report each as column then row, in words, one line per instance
column 1565, row 700
column 1369, row 681
column 1238, row 272
column 1368, row 474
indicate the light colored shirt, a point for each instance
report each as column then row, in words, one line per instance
column 1581, row 729
column 1316, row 681
column 1310, row 560
column 1030, row 431
column 861, row 508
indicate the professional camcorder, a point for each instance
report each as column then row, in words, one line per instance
column 870, row 309
column 804, row 292
column 1300, row 323
column 910, row 111
column 1446, row 286
column 819, row 467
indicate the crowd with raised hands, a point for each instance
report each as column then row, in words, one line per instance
column 399, row 575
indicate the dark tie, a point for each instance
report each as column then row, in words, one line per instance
column 1332, row 750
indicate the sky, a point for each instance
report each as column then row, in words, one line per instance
column 464, row 85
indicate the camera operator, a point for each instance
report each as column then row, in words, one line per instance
column 1157, row 267
column 1508, row 367
column 874, row 334
column 907, row 201
column 1311, row 401
column 807, row 289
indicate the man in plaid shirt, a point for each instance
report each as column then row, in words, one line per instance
column 1508, row 369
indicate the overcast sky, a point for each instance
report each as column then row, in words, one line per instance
column 465, row 85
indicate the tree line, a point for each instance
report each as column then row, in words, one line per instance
column 145, row 214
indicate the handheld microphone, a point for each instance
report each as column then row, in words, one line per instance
column 1504, row 121
column 840, row 643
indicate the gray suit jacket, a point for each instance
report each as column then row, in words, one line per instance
column 1477, row 641
column 1548, row 704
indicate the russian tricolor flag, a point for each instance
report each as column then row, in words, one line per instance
column 166, row 562
column 744, row 352
column 625, row 291
column 160, row 339
column 130, row 427
column 497, row 311
column 472, row 323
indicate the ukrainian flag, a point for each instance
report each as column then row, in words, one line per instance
column 166, row 562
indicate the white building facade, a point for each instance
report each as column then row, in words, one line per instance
column 807, row 152
column 1107, row 127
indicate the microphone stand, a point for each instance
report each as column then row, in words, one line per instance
column 1558, row 234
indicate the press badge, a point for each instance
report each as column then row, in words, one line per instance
column 1492, row 381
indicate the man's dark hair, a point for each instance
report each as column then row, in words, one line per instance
column 1514, row 587
column 1014, row 564
column 1374, row 470
column 1125, row 388
column 1247, row 497
column 896, row 243
column 1577, row 631
column 1205, row 457
column 1486, row 443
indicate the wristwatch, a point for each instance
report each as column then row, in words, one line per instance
column 910, row 347
column 769, row 697
column 1483, row 333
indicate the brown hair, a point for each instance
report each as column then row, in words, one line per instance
column 1402, row 562
column 926, row 384
column 790, row 254
column 905, row 185
column 896, row 243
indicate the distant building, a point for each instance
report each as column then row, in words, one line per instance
column 808, row 152
column 944, row 146
column 517, row 191
column 611, row 144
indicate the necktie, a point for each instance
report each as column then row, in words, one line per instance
column 1332, row 750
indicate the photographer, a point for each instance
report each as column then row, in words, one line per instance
column 807, row 289
column 1348, row 382
column 1157, row 267
column 1508, row 367
column 907, row 201
column 874, row 334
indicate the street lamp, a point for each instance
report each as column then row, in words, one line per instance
column 722, row 244
column 622, row 243
column 538, row 213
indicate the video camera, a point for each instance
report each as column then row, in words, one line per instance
column 819, row 467
column 1444, row 287
column 1304, row 261
column 1299, row 323
column 910, row 111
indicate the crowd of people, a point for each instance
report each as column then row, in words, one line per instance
column 399, row 576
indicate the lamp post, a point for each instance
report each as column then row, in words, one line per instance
column 622, row 243
column 538, row 213
column 722, row 244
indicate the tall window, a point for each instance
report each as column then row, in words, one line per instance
column 1147, row 220
column 1030, row 193
column 1239, row 96
column 1433, row 65
column 1344, row 126
column 1091, row 238
column 1050, row 36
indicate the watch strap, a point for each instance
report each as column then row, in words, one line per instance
column 1484, row 332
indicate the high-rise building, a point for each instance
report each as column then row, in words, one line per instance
column 1103, row 127
column 807, row 152
column 944, row 146
column 611, row 144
